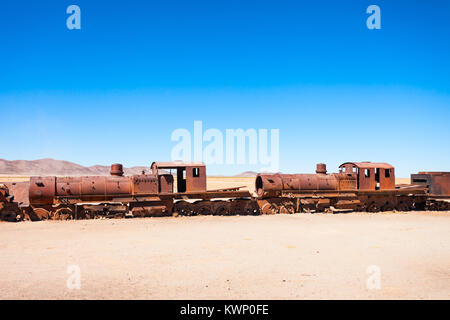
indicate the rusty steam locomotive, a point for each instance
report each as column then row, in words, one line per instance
column 179, row 188
column 153, row 194
column 362, row 186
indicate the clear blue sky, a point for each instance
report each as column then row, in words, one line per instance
column 137, row 70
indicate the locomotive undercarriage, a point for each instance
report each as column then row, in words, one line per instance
column 335, row 204
column 10, row 211
column 80, row 211
column 240, row 206
column 438, row 204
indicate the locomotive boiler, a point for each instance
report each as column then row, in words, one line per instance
column 48, row 190
column 270, row 185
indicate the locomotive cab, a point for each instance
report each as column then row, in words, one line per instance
column 190, row 176
column 370, row 175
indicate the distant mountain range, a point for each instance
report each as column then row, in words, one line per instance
column 45, row 167
column 58, row 168
column 247, row 174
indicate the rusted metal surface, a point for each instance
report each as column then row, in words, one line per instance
column 217, row 207
column 371, row 175
column 20, row 192
column 116, row 169
column 191, row 176
column 269, row 185
column 47, row 190
column 321, row 168
column 137, row 195
column 165, row 183
column 368, row 164
column 9, row 210
column 362, row 186
column 42, row 190
column 142, row 184
column 56, row 190
column 4, row 194
column 438, row 183
column 273, row 184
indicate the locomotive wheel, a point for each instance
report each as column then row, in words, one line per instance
column 86, row 214
column 305, row 209
column 283, row 210
column 138, row 213
column 275, row 208
column 373, row 207
column 307, row 206
column 446, row 206
column 402, row 206
column 287, row 208
column 242, row 207
column 223, row 209
column 183, row 208
column 420, row 205
column 387, row 207
column 250, row 209
column 40, row 214
column 9, row 215
column 328, row 210
column 203, row 209
column 265, row 207
column 63, row 214
column 255, row 210
column 268, row 208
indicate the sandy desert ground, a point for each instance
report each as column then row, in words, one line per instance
column 301, row 256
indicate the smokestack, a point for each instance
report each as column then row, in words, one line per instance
column 116, row 169
column 321, row 168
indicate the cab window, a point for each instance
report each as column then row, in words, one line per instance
column 196, row 172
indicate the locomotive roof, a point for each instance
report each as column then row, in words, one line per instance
column 437, row 173
column 368, row 164
column 177, row 164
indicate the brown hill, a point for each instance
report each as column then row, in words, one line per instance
column 57, row 167
column 246, row 174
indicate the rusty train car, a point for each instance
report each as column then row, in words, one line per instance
column 361, row 186
column 9, row 210
column 438, row 186
column 179, row 188
column 154, row 194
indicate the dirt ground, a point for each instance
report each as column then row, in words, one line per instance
column 301, row 256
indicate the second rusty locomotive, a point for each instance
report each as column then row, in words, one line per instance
column 362, row 186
